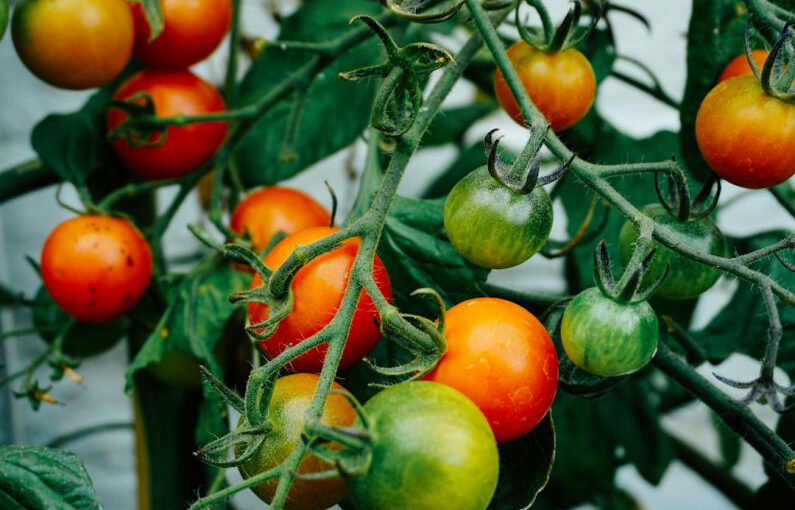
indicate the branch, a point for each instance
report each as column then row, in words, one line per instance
column 24, row 178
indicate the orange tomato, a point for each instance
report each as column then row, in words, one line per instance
column 562, row 85
column 274, row 209
column 96, row 267
column 73, row 44
column 192, row 30
column 318, row 288
column 501, row 357
column 186, row 147
column 739, row 66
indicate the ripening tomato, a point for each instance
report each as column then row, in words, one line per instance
column 292, row 397
column 500, row 356
column 739, row 66
column 746, row 136
column 96, row 267
column 192, row 30
column 186, row 147
column 274, row 209
column 73, row 44
column 433, row 451
column 562, row 85
column 318, row 288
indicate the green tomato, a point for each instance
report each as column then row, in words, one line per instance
column 434, row 450
column 493, row 226
column 608, row 338
column 686, row 278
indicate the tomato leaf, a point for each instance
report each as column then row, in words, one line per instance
column 154, row 17
column 324, row 127
column 36, row 478
column 450, row 125
column 525, row 466
column 417, row 254
column 3, row 18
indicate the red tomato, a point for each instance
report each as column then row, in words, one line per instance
column 746, row 136
column 500, row 356
column 739, row 66
column 562, row 85
column 318, row 288
column 96, row 267
column 186, row 147
column 274, row 209
column 192, row 30
column 73, row 44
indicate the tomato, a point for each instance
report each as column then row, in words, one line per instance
column 608, row 338
column 318, row 288
column 493, row 226
column 500, row 356
column 739, row 65
column 96, row 267
column 292, row 397
column 433, row 451
column 73, row 44
column 745, row 135
column 274, row 209
column 562, row 85
column 192, row 30
column 186, row 147
column 686, row 278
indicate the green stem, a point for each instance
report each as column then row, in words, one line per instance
column 230, row 82
column 654, row 91
column 24, row 178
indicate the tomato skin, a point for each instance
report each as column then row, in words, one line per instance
column 292, row 397
column 318, row 288
column 745, row 135
column 686, row 278
column 274, row 209
column 73, row 44
column 608, row 338
column 500, row 356
column 494, row 226
column 192, row 30
column 434, row 451
column 96, row 267
column 562, row 85
column 186, row 147
column 739, row 65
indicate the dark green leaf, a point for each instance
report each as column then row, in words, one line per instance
column 35, row 478
column 3, row 18
column 324, row 126
column 467, row 161
column 601, row 52
column 424, row 11
column 418, row 254
column 154, row 17
column 450, row 125
column 525, row 466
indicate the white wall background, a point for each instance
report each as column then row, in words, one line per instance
column 25, row 223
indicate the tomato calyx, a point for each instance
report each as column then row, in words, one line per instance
column 568, row 34
column 676, row 198
column 628, row 288
column 138, row 130
column 775, row 77
column 399, row 98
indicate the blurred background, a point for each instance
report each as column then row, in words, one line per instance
column 109, row 455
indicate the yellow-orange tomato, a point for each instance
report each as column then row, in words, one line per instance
column 73, row 44
column 96, row 267
column 739, row 66
column 292, row 397
column 562, row 85
column 502, row 358
column 274, row 209
column 746, row 136
column 318, row 288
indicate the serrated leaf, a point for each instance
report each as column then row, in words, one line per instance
column 418, row 255
column 36, row 478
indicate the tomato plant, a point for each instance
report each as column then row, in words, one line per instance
column 96, row 267
column 744, row 134
column 317, row 289
column 273, row 209
column 73, row 44
column 292, row 396
column 192, row 30
column 501, row 357
column 434, row 450
column 181, row 149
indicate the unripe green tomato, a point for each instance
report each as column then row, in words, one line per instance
column 493, row 226
column 434, row 450
column 686, row 278
column 608, row 338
